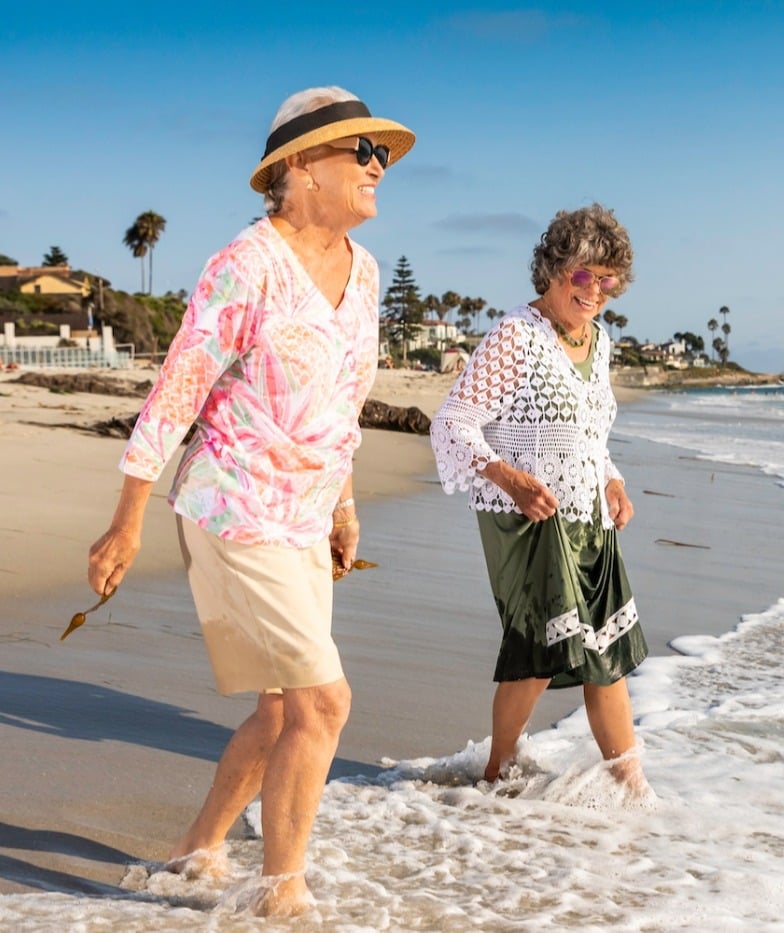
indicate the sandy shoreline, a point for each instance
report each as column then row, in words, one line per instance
column 110, row 738
column 58, row 487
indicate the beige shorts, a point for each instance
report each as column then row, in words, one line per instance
column 265, row 612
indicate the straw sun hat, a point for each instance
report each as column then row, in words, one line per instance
column 335, row 121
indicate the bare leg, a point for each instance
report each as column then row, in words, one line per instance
column 292, row 788
column 238, row 777
column 609, row 712
column 513, row 704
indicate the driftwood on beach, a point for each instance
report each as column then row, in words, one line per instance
column 375, row 414
column 85, row 382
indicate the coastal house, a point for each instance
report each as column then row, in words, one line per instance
column 652, row 352
column 443, row 333
column 432, row 334
column 436, row 333
column 57, row 281
column 63, row 331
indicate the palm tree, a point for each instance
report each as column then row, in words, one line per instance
column 492, row 314
column 133, row 240
column 473, row 307
column 610, row 317
column 150, row 226
column 450, row 301
column 725, row 329
column 724, row 311
column 713, row 325
column 620, row 322
column 434, row 305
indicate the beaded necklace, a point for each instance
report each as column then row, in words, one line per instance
column 563, row 333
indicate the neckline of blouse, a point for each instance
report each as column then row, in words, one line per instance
column 552, row 333
column 295, row 262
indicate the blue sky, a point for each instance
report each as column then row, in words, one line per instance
column 672, row 113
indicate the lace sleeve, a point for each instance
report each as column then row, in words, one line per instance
column 485, row 389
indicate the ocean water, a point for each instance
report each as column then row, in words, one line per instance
column 737, row 425
column 424, row 844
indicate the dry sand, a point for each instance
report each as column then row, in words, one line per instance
column 109, row 739
column 58, row 487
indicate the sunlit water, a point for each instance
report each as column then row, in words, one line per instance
column 738, row 425
column 426, row 845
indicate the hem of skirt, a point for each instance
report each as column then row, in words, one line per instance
column 579, row 681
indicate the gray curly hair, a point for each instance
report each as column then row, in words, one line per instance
column 590, row 236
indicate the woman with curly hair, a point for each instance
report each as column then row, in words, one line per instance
column 525, row 429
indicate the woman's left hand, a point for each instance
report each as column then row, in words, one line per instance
column 618, row 503
column 343, row 541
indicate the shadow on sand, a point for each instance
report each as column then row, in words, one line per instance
column 90, row 712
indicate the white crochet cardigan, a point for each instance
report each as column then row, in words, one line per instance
column 521, row 400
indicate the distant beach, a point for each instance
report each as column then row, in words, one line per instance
column 110, row 737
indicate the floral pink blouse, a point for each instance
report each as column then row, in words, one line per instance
column 274, row 378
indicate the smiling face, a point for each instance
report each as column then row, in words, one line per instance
column 576, row 305
column 346, row 189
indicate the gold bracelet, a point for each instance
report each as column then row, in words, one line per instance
column 344, row 524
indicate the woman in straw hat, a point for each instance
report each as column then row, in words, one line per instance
column 274, row 359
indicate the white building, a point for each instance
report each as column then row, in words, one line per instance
column 436, row 333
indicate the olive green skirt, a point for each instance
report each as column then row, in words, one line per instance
column 564, row 600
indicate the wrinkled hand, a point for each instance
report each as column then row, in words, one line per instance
column 110, row 558
column 533, row 498
column 343, row 542
column 619, row 504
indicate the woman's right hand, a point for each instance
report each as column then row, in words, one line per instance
column 533, row 498
column 110, row 558
column 112, row 554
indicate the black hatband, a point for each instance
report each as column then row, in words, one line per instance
column 306, row 122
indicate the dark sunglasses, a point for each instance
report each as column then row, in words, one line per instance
column 365, row 151
column 582, row 278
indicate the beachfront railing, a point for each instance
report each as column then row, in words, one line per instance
column 71, row 357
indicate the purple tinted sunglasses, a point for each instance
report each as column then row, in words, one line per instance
column 582, row 278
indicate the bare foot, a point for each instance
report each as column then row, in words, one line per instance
column 491, row 774
column 190, row 843
column 209, row 862
column 628, row 772
column 282, row 896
